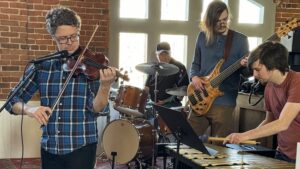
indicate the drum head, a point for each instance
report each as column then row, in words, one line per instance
column 120, row 136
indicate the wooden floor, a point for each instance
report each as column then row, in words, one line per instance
column 34, row 163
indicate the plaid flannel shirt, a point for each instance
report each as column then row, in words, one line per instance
column 72, row 124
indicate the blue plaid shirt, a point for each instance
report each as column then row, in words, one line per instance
column 72, row 124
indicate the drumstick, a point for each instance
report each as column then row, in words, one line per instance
column 205, row 139
column 220, row 139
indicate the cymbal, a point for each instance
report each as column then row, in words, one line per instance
column 163, row 69
column 177, row 91
column 129, row 112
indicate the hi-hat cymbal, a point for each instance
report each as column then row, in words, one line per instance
column 177, row 91
column 163, row 69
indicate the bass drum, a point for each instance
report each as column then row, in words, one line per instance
column 128, row 139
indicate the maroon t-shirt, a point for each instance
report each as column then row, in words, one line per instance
column 275, row 98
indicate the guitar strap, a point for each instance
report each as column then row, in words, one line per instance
column 228, row 43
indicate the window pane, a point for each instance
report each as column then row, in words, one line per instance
column 250, row 12
column 137, row 9
column 171, row 10
column 133, row 47
column 254, row 42
column 178, row 45
column 205, row 4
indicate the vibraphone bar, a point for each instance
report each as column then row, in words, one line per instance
column 226, row 158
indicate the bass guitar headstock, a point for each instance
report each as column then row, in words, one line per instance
column 286, row 28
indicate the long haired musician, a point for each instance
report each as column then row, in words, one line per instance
column 214, row 44
column 69, row 131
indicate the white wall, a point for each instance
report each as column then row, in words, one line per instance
column 10, row 135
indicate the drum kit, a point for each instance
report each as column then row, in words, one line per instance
column 133, row 137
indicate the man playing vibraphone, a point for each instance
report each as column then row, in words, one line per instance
column 269, row 63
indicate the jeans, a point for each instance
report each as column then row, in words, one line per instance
column 83, row 158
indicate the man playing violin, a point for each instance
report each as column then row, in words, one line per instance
column 69, row 130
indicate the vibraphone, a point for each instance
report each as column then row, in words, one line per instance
column 226, row 158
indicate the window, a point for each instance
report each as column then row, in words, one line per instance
column 254, row 42
column 133, row 47
column 137, row 9
column 174, row 11
column 250, row 12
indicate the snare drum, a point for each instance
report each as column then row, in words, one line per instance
column 132, row 98
column 129, row 139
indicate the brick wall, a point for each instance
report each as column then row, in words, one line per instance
column 23, row 36
column 285, row 10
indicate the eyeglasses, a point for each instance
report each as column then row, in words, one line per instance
column 64, row 39
column 220, row 21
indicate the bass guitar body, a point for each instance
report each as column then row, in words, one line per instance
column 201, row 100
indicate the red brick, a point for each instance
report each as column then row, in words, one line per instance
column 51, row 2
column 4, row 17
column 9, row 57
column 5, row 62
column 18, row 5
column 18, row 17
column 4, row 4
column 10, row 68
column 4, row 85
column 35, row 1
column 9, row 23
column 10, row 46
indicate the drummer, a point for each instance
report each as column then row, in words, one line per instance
column 163, row 53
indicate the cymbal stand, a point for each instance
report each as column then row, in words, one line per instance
column 155, row 120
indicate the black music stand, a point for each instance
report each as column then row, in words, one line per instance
column 182, row 130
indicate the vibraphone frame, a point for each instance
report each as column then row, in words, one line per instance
column 226, row 158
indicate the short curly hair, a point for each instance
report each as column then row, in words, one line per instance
column 61, row 16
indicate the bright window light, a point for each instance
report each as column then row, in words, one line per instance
column 254, row 42
column 133, row 47
column 171, row 10
column 136, row 9
column 251, row 12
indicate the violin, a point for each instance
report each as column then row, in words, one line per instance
column 90, row 65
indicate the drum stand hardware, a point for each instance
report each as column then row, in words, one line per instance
column 242, row 152
column 113, row 154
column 155, row 123
column 178, row 138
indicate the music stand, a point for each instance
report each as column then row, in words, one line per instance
column 182, row 130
